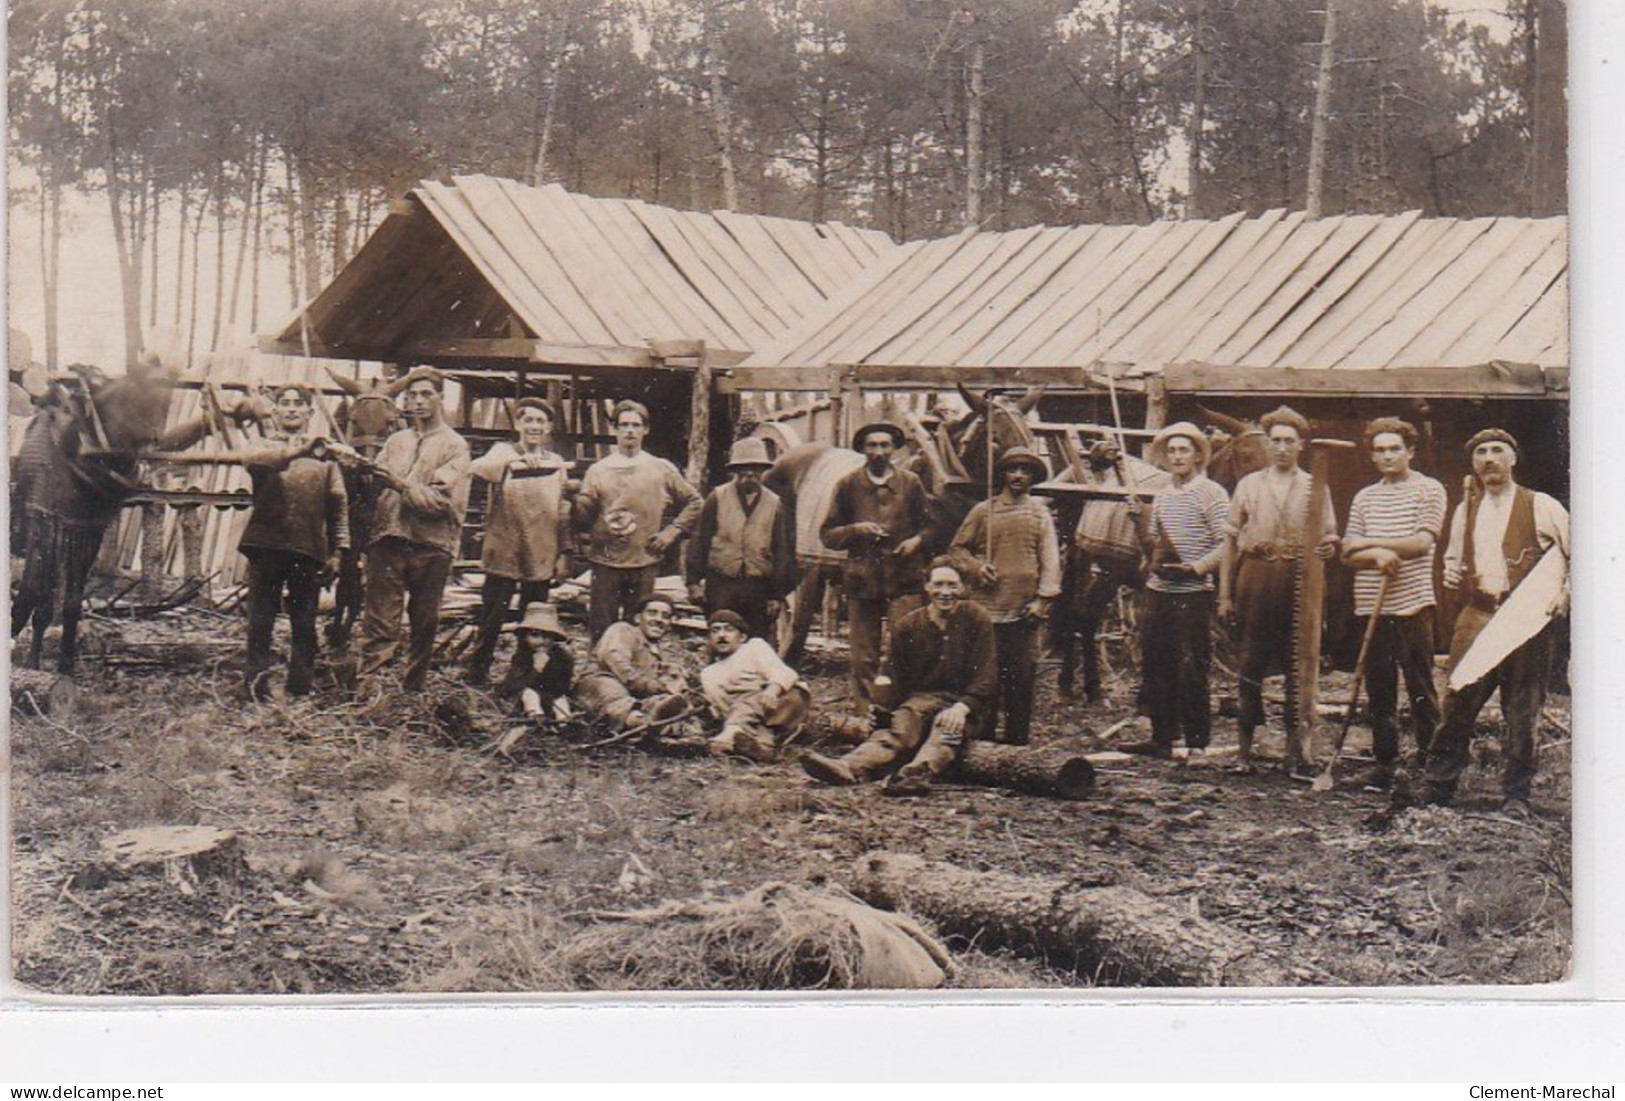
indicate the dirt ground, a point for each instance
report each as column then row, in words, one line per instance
column 386, row 853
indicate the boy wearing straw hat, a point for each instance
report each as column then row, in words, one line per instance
column 543, row 667
column 1188, row 524
column 743, row 554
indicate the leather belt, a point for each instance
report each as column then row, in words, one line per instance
column 1484, row 602
column 1272, row 552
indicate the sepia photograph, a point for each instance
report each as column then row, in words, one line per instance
column 595, row 498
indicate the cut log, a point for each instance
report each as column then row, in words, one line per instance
column 1114, row 935
column 1054, row 771
column 183, row 856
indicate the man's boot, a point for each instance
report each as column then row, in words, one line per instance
column 827, row 770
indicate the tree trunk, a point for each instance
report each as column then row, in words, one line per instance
column 976, row 93
column 192, row 301
column 1054, row 771
column 1195, row 206
column 256, row 257
column 550, row 104
column 716, row 73
column 341, row 230
column 51, row 259
column 240, row 262
column 1114, row 935
column 699, row 422
column 180, row 258
column 1322, row 118
column 219, row 256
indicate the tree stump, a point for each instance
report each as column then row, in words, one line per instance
column 1054, row 771
column 184, row 856
column 1115, row 935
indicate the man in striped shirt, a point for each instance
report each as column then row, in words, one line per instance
column 1188, row 527
column 1393, row 528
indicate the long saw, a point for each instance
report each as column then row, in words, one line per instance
column 1308, row 614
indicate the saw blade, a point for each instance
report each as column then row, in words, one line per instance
column 1308, row 604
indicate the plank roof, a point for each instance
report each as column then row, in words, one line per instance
column 486, row 258
column 1358, row 292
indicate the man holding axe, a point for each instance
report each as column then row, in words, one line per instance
column 1500, row 537
column 1393, row 527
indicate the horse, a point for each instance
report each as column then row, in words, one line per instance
column 952, row 462
column 77, row 466
column 1241, row 448
column 366, row 417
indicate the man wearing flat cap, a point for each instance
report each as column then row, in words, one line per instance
column 296, row 533
column 1008, row 551
column 632, row 507
column 878, row 515
column 743, row 554
column 1187, row 551
column 1394, row 525
column 760, row 700
column 416, row 530
column 1498, row 533
column 527, row 526
column 1264, row 540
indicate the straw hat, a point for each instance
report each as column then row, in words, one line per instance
column 749, row 452
column 1158, row 452
column 543, row 618
column 1023, row 456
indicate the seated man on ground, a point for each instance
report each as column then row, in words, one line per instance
column 628, row 681
column 942, row 660
column 761, row 701
column 543, row 667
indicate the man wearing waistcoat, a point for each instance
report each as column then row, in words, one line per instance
column 742, row 558
column 1498, row 533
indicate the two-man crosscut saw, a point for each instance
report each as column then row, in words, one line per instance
column 1308, row 612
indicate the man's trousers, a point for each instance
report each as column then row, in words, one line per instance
column 271, row 573
column 400, row 574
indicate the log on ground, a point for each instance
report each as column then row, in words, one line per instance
column 1115, row 935
column 1055, row 770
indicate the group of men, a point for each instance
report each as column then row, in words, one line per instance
column 943, row 632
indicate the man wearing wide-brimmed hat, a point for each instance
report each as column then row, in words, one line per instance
column 416, row 530
column 543, row 668
column 878, row 515
column 1187, row 550
column 1008, row 552
column 527, row 525
column 1497, row 535
column 743, row 554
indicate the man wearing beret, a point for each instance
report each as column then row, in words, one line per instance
column 527, row 526
column 878, row 516
column 1393, row 527
column 1008, row 549
column 1498, row 533
column 761, row 701
column 743, row 554
column 416, row 530
column 632, row 507
column 299, row 527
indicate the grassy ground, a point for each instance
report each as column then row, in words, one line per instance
column 385, row 853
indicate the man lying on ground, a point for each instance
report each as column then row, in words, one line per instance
column 761, row 701
column 628, row 681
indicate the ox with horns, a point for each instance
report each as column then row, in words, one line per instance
column 954, row 462
column 77, row 466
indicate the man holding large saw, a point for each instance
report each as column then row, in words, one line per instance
column 1499, row 534
column 1264, row 540
column 1394, row 525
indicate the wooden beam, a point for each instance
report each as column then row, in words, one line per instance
column 904, row 377
column 1485, row 380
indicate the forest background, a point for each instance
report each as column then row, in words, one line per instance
column 183, row 173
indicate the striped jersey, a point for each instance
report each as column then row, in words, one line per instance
column 1192, row 518
column 1398, row 510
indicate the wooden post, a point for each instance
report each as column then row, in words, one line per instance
column 699, row 421
column 1156, row 404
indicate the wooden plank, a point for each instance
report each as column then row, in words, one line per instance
column 1346, row 235
column 1331, row 288
column 1484, row 380
column 910, row 315
column 862, row 326
column 662, row 227
column 791, row 281
column 1133, row 294
column 996, row 300
column 748, row 278
column 795, row 347
column 1479, row 318
column 486, row 255
column 1295, row 244
column 538, row 273
column 910, row 377
column 736, row 293
column 1541, row 334
column 805, row 249
column 1427, row 307
column 1347, row 346
column 694, row 316
column 582, row 259
column 1213, row 284
column 641, row 290
column 1354, row 312
column 1131, row 324
column 993, row 269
